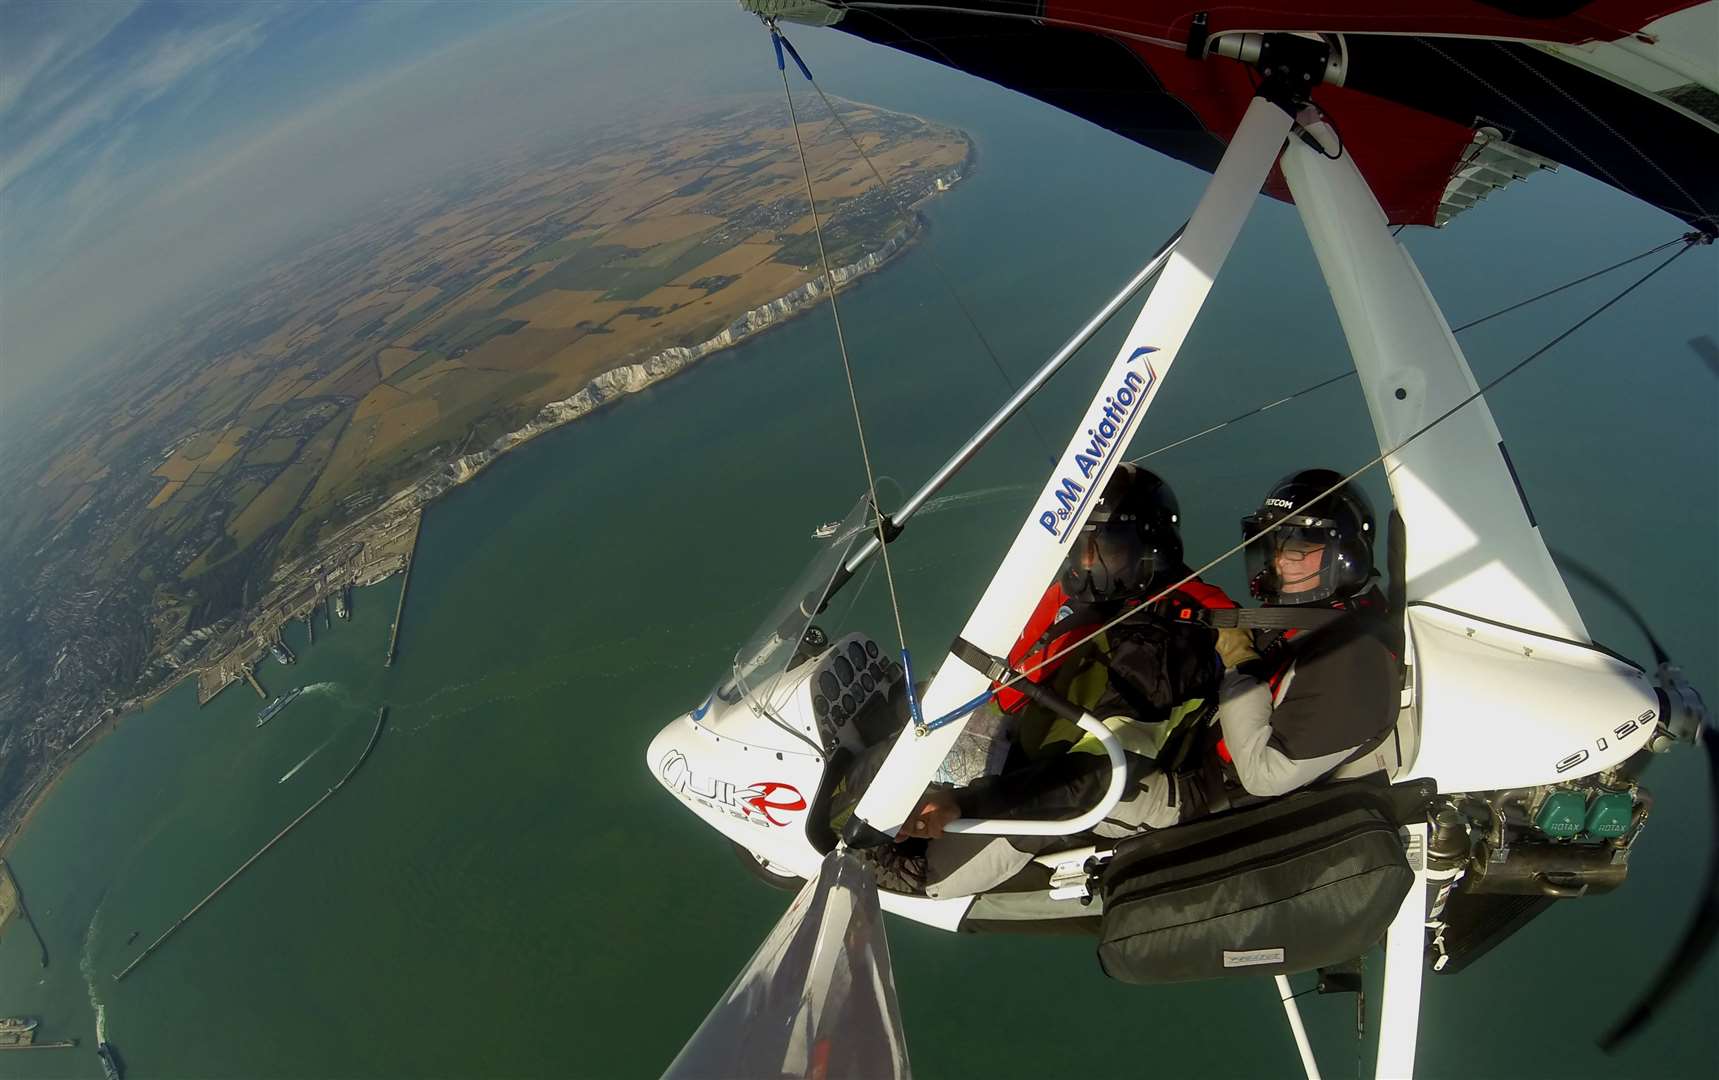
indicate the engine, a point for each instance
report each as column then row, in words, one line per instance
column 1496, row 859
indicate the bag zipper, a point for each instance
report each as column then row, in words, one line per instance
column 1280, row 858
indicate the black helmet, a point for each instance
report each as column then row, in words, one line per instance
column 1341, row 523
column 1129, row 543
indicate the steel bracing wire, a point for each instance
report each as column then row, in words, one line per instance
column 842, row 346
column 1015, row 677
column 1687, row 238
column 942, row 274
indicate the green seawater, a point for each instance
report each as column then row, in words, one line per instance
column 504, row 889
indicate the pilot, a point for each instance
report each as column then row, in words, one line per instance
column 1150, row 676
column 1308, row 703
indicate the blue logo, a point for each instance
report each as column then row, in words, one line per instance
column 1112, row 420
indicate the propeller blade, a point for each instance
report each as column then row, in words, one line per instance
column 1703, row 929
column 1606, row 589
column 1708, row 350
column 816, row 999
column 1697, row 940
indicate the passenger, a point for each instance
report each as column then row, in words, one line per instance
column 1312, row 701
column 1146, row 676
column 1316, row 698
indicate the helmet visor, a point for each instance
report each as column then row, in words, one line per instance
column 1296, row 563
column 1105, row 563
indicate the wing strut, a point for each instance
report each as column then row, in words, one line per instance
column 1405, row 962
column 1309, row 1063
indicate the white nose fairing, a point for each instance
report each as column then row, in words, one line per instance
column 753, row 790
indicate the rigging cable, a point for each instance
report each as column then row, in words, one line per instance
column 847, row 366
column 942, row 274
column 1687, row 238
column 1688, row 242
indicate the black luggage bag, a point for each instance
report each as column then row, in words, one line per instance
column 1300, row 882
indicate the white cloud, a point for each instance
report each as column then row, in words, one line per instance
column 87, row 102
column 44, row 39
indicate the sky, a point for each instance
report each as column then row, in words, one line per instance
column 150, row 149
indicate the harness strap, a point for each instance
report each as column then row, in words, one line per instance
column 979, row 660
column 1272, row 618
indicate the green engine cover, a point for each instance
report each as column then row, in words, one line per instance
column 1562, row 815
column 1610, row 815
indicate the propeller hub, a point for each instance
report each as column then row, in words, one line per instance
column 1683, row 716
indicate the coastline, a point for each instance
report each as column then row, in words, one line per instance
column 604, row 389
column 612, row 385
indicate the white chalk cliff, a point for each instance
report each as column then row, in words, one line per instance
column 631, row 378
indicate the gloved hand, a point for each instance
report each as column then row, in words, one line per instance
column 937, row 808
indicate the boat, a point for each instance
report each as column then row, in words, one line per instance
column 1367, row 121
column 282, row 654
column 340, row 610
column 269, row 711
column 110, row 1063
column 826, row 530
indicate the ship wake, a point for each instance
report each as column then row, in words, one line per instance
column 86, row 965
column 320, row 747
column 963, row 499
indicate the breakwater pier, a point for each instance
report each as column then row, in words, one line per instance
column 381, row 719
column 63, row 1044
column 405, row 584
column 12, row 901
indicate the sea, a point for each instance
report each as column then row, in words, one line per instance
column 505, row 890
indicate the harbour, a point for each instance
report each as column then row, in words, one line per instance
column 179, row 924
column 365, row 553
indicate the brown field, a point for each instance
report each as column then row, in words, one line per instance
column 270, row 506
column 225, row 450
column 343, row 465
column 168, row 490
column 632, row 335
column 762, row 284
column 420, row 382
column 244, row 493
column 198, row 446
column 72, row 465
column 736, row 260
column 367, row 299
column 397, row 425
column 670, row 297
column 381, row 399
column 330, row 383
column 520, row 350
column 284, row 386
column 475, row 299
column 415, row 301
column 392, row 360
column 178, row 467
column 273, row 452
column 662, row 229
column 563, row 309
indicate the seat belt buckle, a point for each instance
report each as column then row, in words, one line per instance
column 1071, row 872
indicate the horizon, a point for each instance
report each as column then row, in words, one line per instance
column 148, row 150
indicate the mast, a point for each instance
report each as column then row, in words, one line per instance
column 1472, row 541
